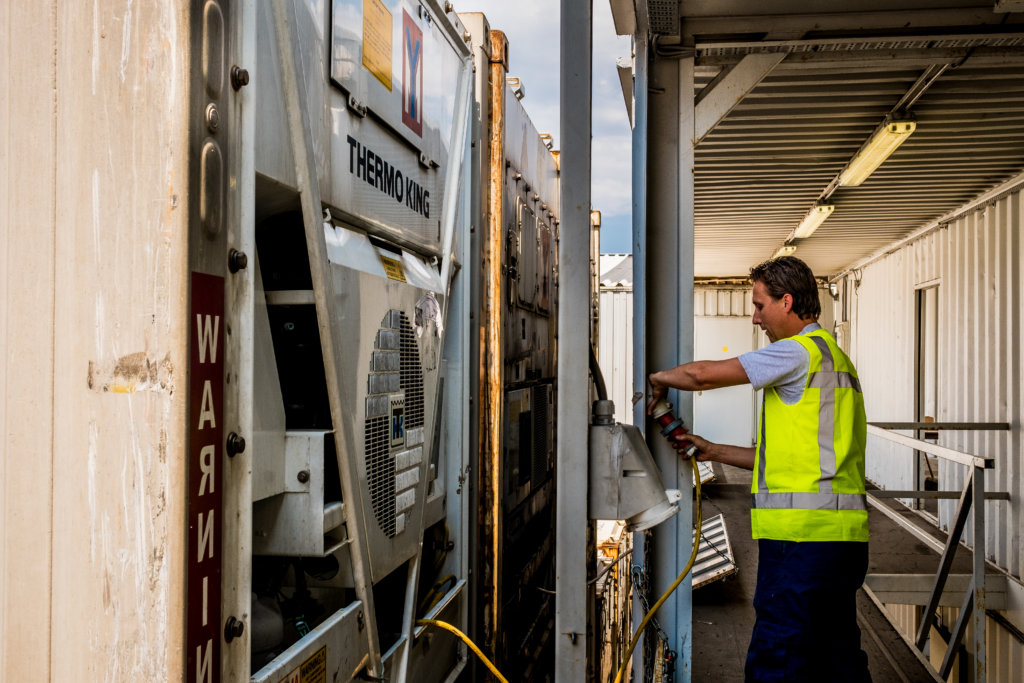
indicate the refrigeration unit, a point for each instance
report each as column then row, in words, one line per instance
column 358, row 335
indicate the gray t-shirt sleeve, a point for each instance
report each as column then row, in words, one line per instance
column 782, row 365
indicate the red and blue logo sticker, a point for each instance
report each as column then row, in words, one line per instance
column 412, row 74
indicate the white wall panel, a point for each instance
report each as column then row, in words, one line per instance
column 615, row 350
column 976, row 262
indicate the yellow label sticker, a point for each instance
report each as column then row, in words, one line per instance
column 377, row 30
column 725, row 349
column 313, row 670
column 393, row 269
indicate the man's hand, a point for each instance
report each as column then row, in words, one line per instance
column 704, row 447
column 658, row 391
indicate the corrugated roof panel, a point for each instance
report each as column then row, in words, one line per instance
column 760, row 170
column 616, row 270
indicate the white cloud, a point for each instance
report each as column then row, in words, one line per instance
column 532, row 29
column 611, row 180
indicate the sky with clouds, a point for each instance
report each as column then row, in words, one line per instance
column 532, row 29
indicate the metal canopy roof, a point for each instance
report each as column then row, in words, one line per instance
column 805, row 83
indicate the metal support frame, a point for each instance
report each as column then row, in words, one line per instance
column 972, row 497
column 239, row 404
column 639, row 180
column 668, row 321
column 571, row 561
column 307, row 182
column 718, row 98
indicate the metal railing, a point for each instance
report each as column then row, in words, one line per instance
column 973, row 495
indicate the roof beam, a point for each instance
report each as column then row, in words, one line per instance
column 624, row 65
column 907, row 20
column 894, row 58
column 719, row 97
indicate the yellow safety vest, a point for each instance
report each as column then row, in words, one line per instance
column 808, row 482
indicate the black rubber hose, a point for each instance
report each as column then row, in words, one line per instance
column 595, row 371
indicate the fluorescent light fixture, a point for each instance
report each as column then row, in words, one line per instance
column 785, row 250
column 815, row 217
column 883, row 142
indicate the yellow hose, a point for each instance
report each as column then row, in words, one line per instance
column 472, row 646
column 675, row 584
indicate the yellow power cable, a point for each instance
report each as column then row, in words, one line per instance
column 472, row 646
column 675, row 584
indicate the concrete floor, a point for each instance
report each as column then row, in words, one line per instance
column 723, row 613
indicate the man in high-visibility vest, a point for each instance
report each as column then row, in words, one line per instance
column 808, row 508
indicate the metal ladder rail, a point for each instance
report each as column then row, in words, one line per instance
column 973, row 496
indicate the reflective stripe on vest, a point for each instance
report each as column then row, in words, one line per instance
column 827, row 380
column 809, row 501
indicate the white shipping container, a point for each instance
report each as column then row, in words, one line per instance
column 934, row 327
column 94, row 199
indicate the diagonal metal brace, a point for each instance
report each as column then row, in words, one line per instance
column 956, row 636
column 963, row 509
column 719, row 97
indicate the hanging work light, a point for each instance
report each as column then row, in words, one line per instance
column 890, row 135
column 815, row 217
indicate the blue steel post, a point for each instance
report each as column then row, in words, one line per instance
column 571, row 632
column 639, row 284
column 669, row 320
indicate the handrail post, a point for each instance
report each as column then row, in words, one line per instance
column 978, row 585
column 946, row 561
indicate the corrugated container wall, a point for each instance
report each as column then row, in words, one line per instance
column 974, row 262
column 956, row 288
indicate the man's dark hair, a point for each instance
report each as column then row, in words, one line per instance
column 790, row 275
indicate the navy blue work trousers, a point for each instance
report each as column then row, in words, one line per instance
column 805, row 602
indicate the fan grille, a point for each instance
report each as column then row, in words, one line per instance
column 393, row 433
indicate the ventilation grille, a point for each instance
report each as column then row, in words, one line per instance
column 393, row 434
column 380, row 474
column 664, row 16
column 411, row 376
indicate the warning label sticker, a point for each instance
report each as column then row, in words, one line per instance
column 313, row 670
column 377, row 30
column 393, row 268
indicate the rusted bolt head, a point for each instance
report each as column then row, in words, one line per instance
column 237, row 260
column 235, row 445
column 233, row 629
column 239, row 77
column 303, row 476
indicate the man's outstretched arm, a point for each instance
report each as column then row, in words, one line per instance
column 697, row 376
